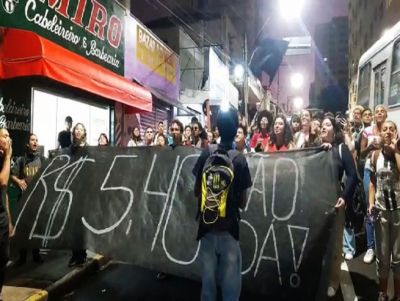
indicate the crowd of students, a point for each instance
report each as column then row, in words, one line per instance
column 367, row 150
column 366, row 144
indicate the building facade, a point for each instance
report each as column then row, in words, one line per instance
column 331, row 58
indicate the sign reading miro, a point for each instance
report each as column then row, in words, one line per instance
column 93, row 29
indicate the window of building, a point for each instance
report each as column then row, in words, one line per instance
column 394, row 92
column 49, row 112
column 379, row 84
column 364, row 85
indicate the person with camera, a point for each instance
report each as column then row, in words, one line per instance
column 384, row 208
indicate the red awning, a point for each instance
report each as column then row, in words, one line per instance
column 24, row 53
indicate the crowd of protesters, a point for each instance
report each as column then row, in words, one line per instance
column 367, row 149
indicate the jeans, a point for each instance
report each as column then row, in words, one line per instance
column 369, row 225
column 221, row 264
column 387, row 231
column 349, row 241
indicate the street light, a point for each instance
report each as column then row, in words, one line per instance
column 238, row 72
column 291, row 9
column 298, row 103
column 297, row 80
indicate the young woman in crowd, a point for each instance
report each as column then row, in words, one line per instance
column 210, row 137
column 136, row 139
column 187, row 136
column 199, row 138
column 161, row 140
column 367, row 117
column 332, row 137
column 240, row 140
column 281, row 136
column 260, row 139
column 78, row 257
column 384, row 206
column 302, row 138
column 366, row 120
column 370, row 141
column 103, row 140
column 315, row 130
column 295, row 123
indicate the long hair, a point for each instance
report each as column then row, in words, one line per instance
column 338, row 136
column 262, row 114
column 74, row 140
column 287, row 132
column 105, row 137
column 136, row 138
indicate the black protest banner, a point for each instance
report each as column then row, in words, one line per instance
column 137, row 205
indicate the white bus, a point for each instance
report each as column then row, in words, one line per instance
column 379, row 74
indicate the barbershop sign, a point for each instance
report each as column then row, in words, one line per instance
column 91, row 28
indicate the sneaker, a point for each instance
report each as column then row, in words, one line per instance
column 383, row 297
column 331, row 292
column 348, row 256
column 369, row 256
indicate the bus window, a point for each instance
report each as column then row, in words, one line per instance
column 363, row 85
column 394, row 92
column 379, row 84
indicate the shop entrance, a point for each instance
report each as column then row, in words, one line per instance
column 49, row 111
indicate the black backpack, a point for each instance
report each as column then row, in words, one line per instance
column 216, row 179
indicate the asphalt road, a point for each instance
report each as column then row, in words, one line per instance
column 118, row 281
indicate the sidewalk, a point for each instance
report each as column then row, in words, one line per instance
column 33, row 281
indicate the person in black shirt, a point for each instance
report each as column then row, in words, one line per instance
column 22, row 174
column 220, row 251
column 64, row 137
column 5, row 226
column 79, row 136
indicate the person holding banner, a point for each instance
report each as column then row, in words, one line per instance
column 384, row 208
column 22, row 173
column 5, row 225
column 78, row 257
column 332, row 138
column 220, row 255
column 281, row 136
column 136, row 139
column 260, row 139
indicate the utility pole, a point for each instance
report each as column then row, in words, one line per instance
column 245, row 76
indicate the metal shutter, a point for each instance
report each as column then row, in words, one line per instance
column 161, row 111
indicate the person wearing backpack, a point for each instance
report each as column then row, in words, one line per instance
column 222, row 178
column 384, row 208
column 22, row 173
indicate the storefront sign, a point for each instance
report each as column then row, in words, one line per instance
column 150, row 62
column 15, row 113
column 91, row 28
